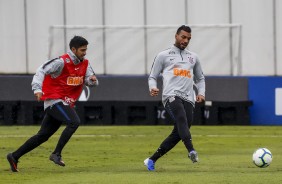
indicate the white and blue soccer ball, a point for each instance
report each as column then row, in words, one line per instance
column 262, row 157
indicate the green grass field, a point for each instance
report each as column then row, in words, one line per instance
column 115, row 154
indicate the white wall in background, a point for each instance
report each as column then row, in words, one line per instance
column 12, row 37
column 208, row 11
column 40, row 15
column 256, row 17
column 257, row 35
column 279, row 36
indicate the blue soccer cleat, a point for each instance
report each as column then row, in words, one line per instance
column 150, row 164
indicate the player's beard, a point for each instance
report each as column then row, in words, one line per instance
column 80, row 58
column 182, row 46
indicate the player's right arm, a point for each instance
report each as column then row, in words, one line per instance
column 52, row 67
column 157, row 68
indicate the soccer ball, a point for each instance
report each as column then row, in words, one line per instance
column 262, row 157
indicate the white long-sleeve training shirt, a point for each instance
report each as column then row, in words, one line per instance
column 180, row 70
column 55, row 68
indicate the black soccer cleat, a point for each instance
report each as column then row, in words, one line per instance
column 13, row 162
column 193, row 155
column 57, row 159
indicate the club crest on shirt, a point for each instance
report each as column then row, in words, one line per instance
column 69, row 100
column 67, row 60
column 191, row 60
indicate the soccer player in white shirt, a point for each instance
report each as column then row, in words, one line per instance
column 180, row 69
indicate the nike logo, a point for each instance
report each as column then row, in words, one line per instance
column 76, row 68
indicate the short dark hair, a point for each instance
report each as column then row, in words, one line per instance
column 184, row 28
column 78, row 41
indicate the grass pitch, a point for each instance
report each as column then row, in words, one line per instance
column 115, row 154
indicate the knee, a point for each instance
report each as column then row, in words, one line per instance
column 73, row 124
column 42, row 138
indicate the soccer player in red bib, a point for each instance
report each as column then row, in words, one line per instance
column 59, row 83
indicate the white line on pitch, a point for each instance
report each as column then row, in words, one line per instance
column 142, row 135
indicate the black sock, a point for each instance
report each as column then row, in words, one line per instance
column 29, row 145
column 189, row 146
column 158, row 154
column 65, row 137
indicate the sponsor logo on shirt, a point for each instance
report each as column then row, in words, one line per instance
column 74, row 81
column 181, row 72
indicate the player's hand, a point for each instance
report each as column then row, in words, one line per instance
column 38, row 96
column 93, row 79
column 154, row 92
column 200, row 98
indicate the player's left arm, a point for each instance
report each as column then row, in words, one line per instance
column 90, row 77
column 199, row 80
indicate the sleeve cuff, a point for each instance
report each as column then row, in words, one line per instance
column 37, row 91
